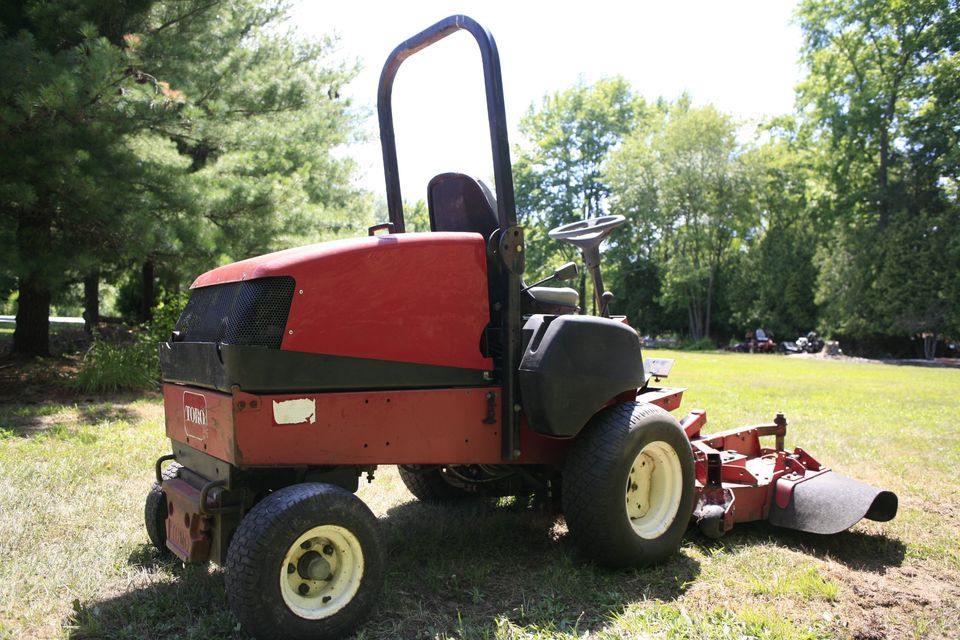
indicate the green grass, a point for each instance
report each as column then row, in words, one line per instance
column 74, row 561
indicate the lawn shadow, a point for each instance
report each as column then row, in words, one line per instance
column 854, row 549
column 457, row 570
column 472, row 568
column 29, row 419
column 111, row 411
column 176, row 601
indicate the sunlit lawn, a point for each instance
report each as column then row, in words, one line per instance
column 74, row 561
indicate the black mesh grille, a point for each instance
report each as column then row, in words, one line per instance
column 250, row 313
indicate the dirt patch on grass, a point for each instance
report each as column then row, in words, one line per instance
column 59, row 410
column 36, row 395
column 37, row 380
column 900, row 602
column 943, row 363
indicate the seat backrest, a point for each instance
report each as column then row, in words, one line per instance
column 458, row 202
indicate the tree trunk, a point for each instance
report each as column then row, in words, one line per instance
column 32, row 334
column 883, row 202
column 31, row 337
column 706, row 322
column 146, row 305
column 91, row 301
column 883, row 179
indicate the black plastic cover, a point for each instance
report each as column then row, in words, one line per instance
column 830, row 503
column 262, row 370
column 573, row 365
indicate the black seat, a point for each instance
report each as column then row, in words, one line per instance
column 457, row 202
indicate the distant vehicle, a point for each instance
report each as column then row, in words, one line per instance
column 759, row 341
column 658, row 342
column 809, row 343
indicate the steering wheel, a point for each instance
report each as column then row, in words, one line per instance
column 587, row 230
column 587, row 234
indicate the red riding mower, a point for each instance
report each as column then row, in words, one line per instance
column 290, row 375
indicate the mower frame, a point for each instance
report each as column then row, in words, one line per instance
column 507, row 241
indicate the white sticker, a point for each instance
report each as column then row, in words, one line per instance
column 299, row 411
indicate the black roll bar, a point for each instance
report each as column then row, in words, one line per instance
column 507, row 241
column 493, row 84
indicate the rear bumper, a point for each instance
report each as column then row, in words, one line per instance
column 188, row 530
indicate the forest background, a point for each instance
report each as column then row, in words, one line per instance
column 143, row 142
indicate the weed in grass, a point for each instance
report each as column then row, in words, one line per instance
column 35, row 410
column 671, row 621
column 805, row 582
column 774, row 624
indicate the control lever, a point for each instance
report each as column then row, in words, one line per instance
column 568, row 271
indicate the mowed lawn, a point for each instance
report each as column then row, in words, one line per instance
column 75, row 563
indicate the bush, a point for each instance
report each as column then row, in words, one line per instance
column 114, row 365
column 110, row 366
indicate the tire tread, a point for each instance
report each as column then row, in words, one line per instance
column 591, row 494
column 253, row 541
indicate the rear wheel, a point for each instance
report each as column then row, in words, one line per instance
column 155, row 511
column 628, row 486
column 428, row 484
column 306, row 562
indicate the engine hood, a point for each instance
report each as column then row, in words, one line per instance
column 291, row 262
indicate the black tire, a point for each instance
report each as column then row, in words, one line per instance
column 291, row 529
column 605, row 467
column 155, row 511
column 429, row 485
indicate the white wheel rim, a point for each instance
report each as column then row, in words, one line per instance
column 321, row 572
column 654, row 488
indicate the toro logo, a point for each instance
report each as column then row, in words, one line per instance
column 194, row 415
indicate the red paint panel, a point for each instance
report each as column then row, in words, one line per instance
column 443, row 426
column 384, row 427
column 408, row 297
column 210, row 431
column 750, row 503
column 667, row 398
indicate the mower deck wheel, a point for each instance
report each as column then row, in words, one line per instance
column 305, row 562
column 155, row 511
column 628, row 486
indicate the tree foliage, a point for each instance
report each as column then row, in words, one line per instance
column 146, row 140
column 558, row 174
column 842, row 217
column 682, row 181
column 880, row 101
column 171, row 134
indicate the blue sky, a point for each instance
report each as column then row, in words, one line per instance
column 740, row 55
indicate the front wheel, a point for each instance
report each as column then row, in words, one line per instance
column 306, row 562
column 628, row 486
